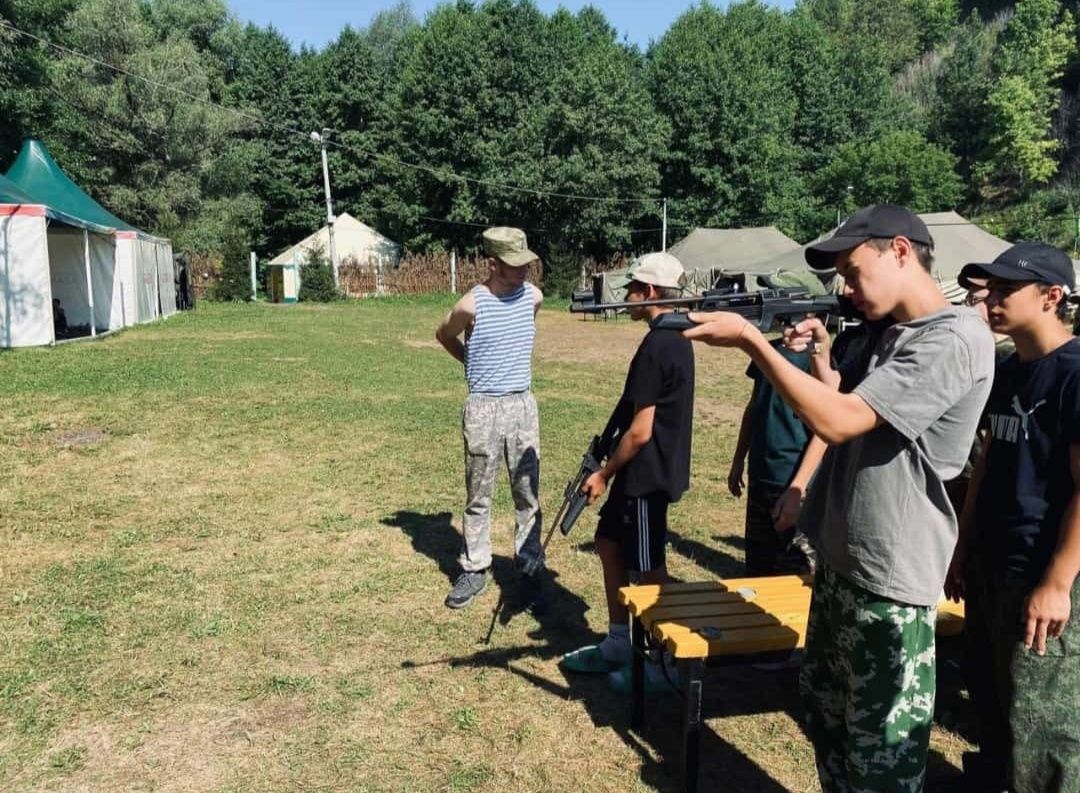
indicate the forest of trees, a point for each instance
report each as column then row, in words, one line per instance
column 190, row 124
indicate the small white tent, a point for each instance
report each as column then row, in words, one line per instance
column 356, row 243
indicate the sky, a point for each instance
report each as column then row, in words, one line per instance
column 317, row 22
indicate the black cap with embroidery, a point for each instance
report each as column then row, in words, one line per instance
column 880, row 221
column 1025, row 261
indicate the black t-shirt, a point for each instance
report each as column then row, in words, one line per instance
column 661, row 375
column 1033, row 417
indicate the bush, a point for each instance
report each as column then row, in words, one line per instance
column 234, row 283
column 317, row 278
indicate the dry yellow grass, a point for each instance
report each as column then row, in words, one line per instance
column 225, row 543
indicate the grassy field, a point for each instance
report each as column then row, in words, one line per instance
column 225, row 543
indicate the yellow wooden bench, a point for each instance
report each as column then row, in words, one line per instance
column 736, row 618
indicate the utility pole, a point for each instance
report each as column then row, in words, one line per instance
column 321, row 139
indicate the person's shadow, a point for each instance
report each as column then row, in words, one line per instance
column 563, row 628
column 731, row 690
column 562, row 625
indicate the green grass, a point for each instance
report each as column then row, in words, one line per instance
column 225, row 543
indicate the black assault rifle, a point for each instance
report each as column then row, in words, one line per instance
column 600, row 448
column 766, row 309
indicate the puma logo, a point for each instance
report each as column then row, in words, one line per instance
column 1008, row 428
column 1025, row 415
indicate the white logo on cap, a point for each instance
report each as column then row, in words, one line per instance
column 1023, row 263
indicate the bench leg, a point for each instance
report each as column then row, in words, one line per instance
column 637, row 673
column 691, row 677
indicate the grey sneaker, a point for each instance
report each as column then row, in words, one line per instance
column 468, row 586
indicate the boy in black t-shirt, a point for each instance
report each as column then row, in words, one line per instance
column 1018, row 556
column 651, row 464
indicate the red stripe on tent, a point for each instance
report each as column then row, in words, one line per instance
column 25, row 210
column 126, row 235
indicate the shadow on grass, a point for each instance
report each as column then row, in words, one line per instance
column 708, row 557
column 562, row 627
column 730, row 690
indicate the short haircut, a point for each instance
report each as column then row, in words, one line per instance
column 922, row 251
column 668, row 292
column 1062, row 309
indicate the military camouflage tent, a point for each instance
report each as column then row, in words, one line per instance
column 710, row 254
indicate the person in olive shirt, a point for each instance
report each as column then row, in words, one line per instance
column 775, row 440
column 650, row 467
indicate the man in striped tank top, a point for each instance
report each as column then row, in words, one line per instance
column 500, row 421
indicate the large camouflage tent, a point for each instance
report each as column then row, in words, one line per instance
column 957, row 241
column 711, row 254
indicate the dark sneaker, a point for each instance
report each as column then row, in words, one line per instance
column 468, row 586
column 533, row 596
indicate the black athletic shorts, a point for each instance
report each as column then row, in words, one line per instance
column 639, row 525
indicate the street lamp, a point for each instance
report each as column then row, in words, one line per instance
column 321, row 140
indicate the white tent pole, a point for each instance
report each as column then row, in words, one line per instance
column 453, row 271
column 157, row 285
column 253, row 276
column 89, row 281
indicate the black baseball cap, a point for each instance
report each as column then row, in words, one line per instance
column 1025, row 261
column 880, row 221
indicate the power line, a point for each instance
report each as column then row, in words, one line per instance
column 259, row 119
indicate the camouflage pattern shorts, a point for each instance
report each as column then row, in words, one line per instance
column 868, row 685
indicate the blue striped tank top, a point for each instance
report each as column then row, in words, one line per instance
column 498, row 352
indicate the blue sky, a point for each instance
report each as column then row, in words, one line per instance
column 317, row 22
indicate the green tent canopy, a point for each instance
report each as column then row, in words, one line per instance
column 36, row 173
column 11, row 193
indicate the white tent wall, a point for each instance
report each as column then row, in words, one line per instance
column 146, row 284
column 25, row 293
column 67, row 271
column 102, row 272
column 125, row 308
column 166, row 274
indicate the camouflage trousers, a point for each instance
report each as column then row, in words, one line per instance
column 769, row 552
column 501, row 430
column 1026, row 706
column 868, row 685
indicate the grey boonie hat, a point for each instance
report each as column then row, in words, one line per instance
column 658, row 269
column 509, row 246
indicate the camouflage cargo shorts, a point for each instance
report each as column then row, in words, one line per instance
column 868, row 685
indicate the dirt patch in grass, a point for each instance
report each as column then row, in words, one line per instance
column 183, row 750
column 74, row 438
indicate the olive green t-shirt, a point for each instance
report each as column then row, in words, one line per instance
column 877, row 511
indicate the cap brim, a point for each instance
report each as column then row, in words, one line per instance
column 988, row 270
column 517, row 258
column 822, row 255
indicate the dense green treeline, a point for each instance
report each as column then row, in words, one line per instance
column 189, row 123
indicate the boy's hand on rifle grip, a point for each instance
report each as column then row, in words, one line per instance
column 595, row 486
column 811, row 330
